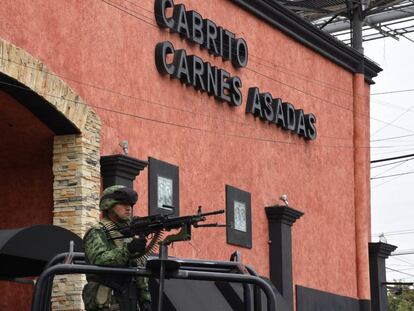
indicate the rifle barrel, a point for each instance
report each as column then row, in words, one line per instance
column 221, row 211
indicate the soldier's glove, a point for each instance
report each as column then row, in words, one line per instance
column 146, row 306
column 137, row 245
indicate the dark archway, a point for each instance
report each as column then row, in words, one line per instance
column 26, row 185
column 26, row 168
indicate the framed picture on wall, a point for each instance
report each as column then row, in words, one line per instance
column 238, row 217
column 163, row 188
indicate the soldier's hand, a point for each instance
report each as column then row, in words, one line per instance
column 146, row 306
column 137, row 245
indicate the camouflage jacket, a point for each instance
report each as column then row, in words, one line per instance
column 101, row 250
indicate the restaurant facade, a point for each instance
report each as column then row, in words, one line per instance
column 220, row 104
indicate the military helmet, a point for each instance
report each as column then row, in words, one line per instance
column 115, row 195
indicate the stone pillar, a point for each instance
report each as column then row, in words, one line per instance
column 281, row 219
column 76, row 189
column 378, row 252
column 120, row 170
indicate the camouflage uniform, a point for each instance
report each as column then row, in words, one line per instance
column 100, row 249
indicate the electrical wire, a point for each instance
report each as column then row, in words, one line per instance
column 394, row 151
column 394, row 232
column 404, row 268
column 392, row 122
column 393, row 92
column 163, row 105
column 393, row 158
column 376, row 101
column 395, row 270
column 402, row 260
column 406, row 160
column 391, row 138
column 389, row 169
column 403, row 252
column 389, row 146
column 394, row 175
column 385, row 182
column 185, row 126
column 182, row 110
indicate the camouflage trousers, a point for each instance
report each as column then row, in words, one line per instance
column 98, row 297
column 114, row 307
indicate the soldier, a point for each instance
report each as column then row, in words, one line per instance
column 105, row 245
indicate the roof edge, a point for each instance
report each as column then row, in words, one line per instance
column 304, row 32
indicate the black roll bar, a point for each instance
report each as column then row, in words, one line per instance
column 40, row 302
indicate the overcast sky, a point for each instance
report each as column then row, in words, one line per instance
column 392, row 198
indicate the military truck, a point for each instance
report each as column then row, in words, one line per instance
column 34, row 256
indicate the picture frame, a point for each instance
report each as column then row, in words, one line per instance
column 238, row 217
column 163, row 188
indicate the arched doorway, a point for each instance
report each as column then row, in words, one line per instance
column 49, row 160
column 26, row 185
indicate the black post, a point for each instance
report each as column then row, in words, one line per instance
column 281, row 219
column 357, row 20
column 378, row 252
column 120, row 170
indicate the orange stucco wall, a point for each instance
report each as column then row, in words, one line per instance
column 107, row 56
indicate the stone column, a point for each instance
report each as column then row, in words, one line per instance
column 76, row 189
column 281, row 219
column 378, row 252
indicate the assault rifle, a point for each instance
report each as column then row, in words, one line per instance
column 157, row 224
column 163, row 222
column 145, row 226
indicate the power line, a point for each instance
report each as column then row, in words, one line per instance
column 402, row 260
column 403, row 252
column 183, row 126
column 394, row 175
column 394, row 120
column 385, row 182
column 372, row 167
column 395, row 270
column 392, row 92
column 391, row 168
column 403, row 150
column 393, row 158
column 376, row 101
column 390, row 138
column 137, row 98
column 405, row 268
column 389, row 146
column 393, row 232
column 158, row 104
